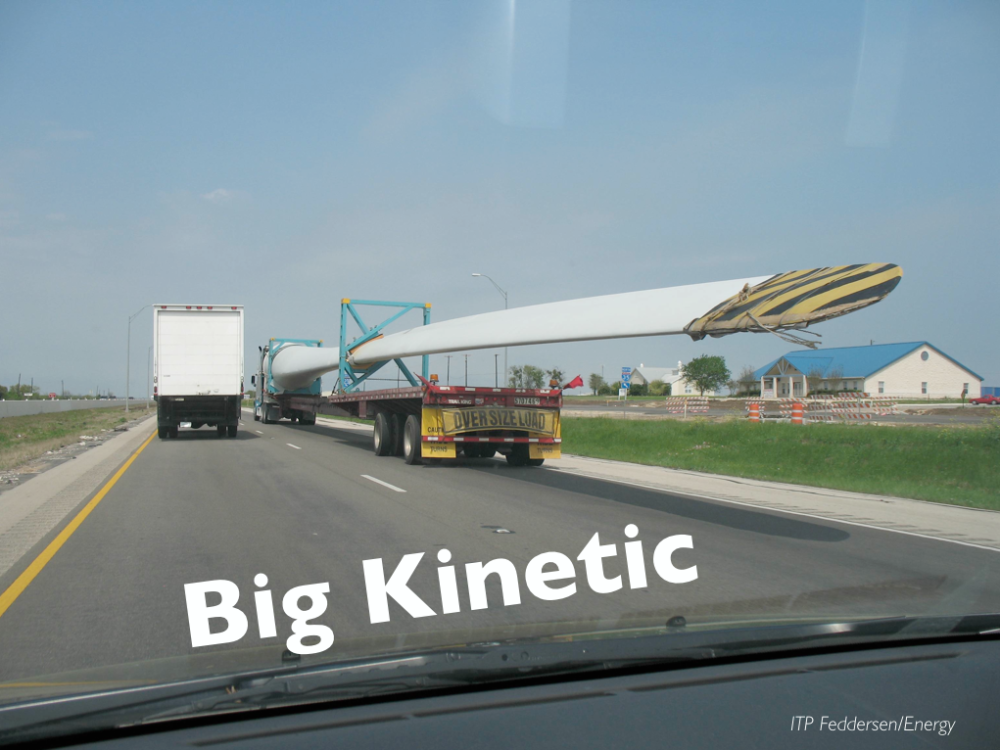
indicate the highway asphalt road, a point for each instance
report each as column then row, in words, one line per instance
column 307, row 505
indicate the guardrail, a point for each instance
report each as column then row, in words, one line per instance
column 47, row 406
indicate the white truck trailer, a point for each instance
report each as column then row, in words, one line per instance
column 198, row 367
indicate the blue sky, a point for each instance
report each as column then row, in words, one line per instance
column 283, row 156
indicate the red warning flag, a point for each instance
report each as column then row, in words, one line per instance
column 574, row 383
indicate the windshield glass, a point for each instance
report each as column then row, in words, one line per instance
column 333, row 332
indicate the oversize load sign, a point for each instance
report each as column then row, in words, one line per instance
column 465, row 420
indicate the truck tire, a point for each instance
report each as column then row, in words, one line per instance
column 221, row 430
column 308, row 419
column 487, row 451
column 398, row 422
column 162, row 432
column 518, row 455
column 411, row 440
column 382, row 437
column 232, row 430
column 536, row 461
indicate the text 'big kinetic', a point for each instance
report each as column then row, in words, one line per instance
column 549, row 576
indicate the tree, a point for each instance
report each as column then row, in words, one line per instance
column 534, row 377
column 594, row 382
column 526, row 376
column 706, row 373
column 638, row 389
column 815, row 378
column 659, row 388
column 747, row 383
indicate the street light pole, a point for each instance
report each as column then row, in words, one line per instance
column 128, row 355
column 483, row 275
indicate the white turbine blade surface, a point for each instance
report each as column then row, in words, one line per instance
column 296, row 366
column 655, row 312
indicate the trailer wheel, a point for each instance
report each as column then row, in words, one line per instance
column 232, row 430
column 411, row 440
column 487, row 451
column 382, row 437
column 398, row 422
column 518, row 455
column 536, row 461
column 162, row 432
column 221, row 430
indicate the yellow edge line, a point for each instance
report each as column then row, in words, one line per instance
column 24, row 580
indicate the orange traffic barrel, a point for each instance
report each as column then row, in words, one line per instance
column 797, row 410
column 755, row 412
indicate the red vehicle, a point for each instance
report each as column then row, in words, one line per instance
column 987, row 400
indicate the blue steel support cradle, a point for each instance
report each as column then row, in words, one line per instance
column 350, row 379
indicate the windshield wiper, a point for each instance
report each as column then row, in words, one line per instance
column 443, row 668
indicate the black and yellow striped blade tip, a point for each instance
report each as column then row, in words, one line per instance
column 798, row 298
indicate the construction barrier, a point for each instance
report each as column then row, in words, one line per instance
column 754, row 409
column 855, row 407
column 685, row 406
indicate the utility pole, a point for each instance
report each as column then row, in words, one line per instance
column 128, row 355
column 504, row 307
column 466, row 369
column 496, row 376
column 62, row 389
column 447, row 377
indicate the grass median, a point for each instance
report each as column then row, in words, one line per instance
column 960, row 466
column 23, row 439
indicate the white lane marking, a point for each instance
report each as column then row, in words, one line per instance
column 384, row 484
column 258, row 432
column 697, row 496
column 293, row 446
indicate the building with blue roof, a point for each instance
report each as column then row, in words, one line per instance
column 915, row 369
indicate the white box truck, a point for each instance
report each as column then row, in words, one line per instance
column 198, row 367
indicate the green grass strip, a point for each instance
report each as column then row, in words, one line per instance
column 960, row 466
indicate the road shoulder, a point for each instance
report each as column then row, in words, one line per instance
column 970, row 526
column 30, row 512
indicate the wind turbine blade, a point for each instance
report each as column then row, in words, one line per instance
column 295, row 366
column 761, row 303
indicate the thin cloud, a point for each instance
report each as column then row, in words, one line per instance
column 219, row 195
column 64, row 135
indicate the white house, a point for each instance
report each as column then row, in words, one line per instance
column 643, row 375
column 910, row 370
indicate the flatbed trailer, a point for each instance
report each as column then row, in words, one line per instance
column 430, row 422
